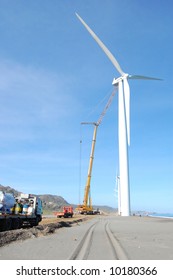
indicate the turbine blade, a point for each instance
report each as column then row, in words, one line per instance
column 127, row 107
column 103, row 47
column 138, row 77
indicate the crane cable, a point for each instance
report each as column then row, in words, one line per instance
column 80, row 162
column 98, row 104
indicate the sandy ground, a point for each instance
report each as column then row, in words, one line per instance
column 47, row 226
column 141, row 238
column 145, row 237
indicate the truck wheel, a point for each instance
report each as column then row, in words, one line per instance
column 8, row 224
column 36, row 221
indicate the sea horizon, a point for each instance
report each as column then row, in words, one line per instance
column 162, row 215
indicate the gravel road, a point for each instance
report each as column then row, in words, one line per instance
column 99, row 238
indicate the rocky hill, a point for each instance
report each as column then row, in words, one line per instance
column 9, row 190
column 52, row 202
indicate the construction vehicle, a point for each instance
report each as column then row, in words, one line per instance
column 67, row 212
column 86, row 207
column 16, row 212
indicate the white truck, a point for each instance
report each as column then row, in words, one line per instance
column 15, row 212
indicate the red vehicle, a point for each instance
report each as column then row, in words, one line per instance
column 67, row 211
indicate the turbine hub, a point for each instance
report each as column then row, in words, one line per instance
column 125, row 75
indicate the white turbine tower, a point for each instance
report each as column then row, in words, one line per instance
column 118, row 191
column 123, row 121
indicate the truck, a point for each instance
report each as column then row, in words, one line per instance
column 67, row 212
column 16, row 212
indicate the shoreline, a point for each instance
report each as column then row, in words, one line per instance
column 162, row 217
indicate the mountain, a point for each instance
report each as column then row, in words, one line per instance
column 52, row 202
column 9, row 190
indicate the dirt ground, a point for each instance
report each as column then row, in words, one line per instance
column 53, row 219
column 45, row 227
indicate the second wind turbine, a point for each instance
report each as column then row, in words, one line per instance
column 123, row 121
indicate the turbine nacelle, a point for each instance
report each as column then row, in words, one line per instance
column 133, row 77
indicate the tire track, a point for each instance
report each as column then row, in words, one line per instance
column 88, row 243
column 115, row 244
column 82, row 250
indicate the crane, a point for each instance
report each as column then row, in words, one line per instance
column 86, row 207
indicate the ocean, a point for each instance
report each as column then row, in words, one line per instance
column 162, row 215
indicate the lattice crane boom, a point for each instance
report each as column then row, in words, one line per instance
column 86, row 207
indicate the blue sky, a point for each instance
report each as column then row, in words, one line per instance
column 53, row 76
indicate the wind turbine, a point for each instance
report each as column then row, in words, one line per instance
column 123, row 121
